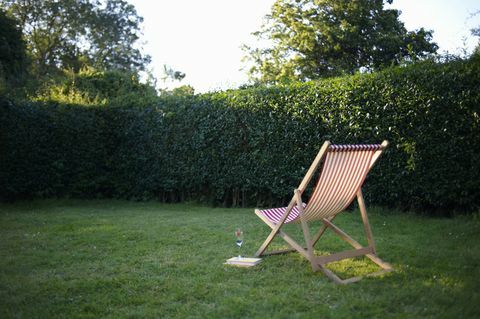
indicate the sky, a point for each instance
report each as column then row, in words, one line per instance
column 203, row 38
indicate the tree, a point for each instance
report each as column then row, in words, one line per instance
column 169, row 73
column 318, row 38
column 13, row 60
column 476, row 32
column 70, row 34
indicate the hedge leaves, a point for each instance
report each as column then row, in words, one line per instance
column 252, row 146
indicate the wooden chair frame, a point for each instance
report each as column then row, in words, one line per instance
column 319, row 262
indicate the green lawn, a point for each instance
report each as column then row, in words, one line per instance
column 123, row 259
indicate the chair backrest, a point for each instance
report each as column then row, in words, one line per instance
column 345, row 168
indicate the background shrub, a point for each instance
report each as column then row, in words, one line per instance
column 252, row 146
column 93, row 87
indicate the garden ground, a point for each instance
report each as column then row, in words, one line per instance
column 106, row 258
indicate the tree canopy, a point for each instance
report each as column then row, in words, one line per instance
column 12, row 48
column 317, row 38
column 476, row 32
column 71, row 34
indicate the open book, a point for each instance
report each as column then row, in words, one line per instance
column 243, row 261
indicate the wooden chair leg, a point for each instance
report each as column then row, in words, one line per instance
column 366, row 224
column 270, row 237
column 306, row 232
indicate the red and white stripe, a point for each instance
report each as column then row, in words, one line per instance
column 344, row 171
column 275, row 214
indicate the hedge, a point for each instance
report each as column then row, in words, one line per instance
column 252, row 146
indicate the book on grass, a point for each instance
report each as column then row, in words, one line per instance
column 243, row 261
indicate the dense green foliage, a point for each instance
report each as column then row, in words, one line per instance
column 13, row 59
column 119, row 259
column 93, row 87
column 71, row 34
column 84, row 52
column 252, row 146
column 309, row 39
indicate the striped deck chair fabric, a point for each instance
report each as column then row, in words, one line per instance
column 344, row 170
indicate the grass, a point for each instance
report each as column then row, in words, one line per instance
column 117, row 259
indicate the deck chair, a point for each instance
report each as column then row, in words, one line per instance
column 345, row 168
